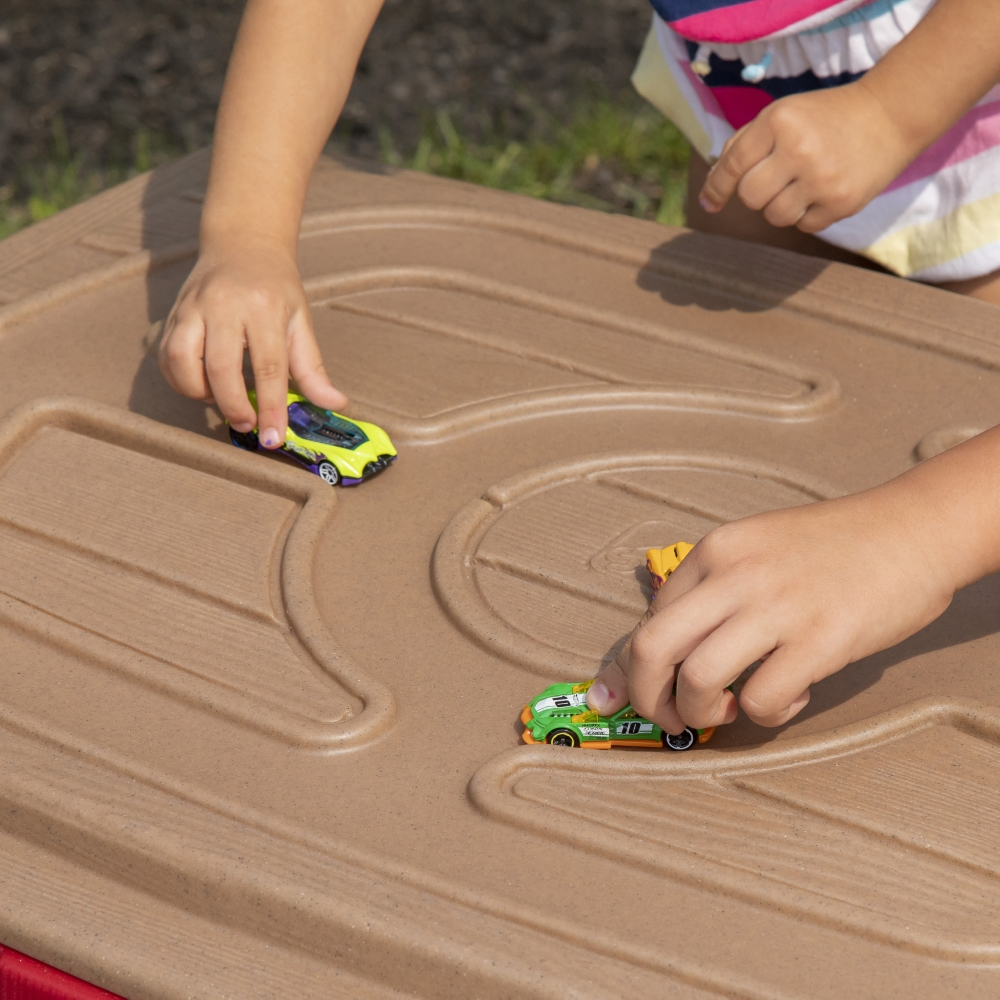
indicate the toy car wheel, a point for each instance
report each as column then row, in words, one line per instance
column 327, row 471
column 682, row 741
column 563, row 738
column 246, row 440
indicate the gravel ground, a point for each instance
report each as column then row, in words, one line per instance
column 109, row 70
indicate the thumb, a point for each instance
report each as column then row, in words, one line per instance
column 609, row 692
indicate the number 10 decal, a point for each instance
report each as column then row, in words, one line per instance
column 633, row 728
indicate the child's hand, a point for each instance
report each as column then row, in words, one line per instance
column 809, row 160
column 245, row 296
column 808, row 590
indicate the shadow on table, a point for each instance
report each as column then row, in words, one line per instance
column 972, row 615
column 720, row 273
column 171, row 211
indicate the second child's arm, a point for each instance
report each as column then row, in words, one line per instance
column 812, row 159
column 287, row 81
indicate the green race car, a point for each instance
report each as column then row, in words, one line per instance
column 559, row 715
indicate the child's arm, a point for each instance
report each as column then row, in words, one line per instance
column 288, row 78
column 809, row 590
column 811, row 159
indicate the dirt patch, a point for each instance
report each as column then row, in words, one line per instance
column 107, row 72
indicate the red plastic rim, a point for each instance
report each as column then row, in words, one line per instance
column 23, row 978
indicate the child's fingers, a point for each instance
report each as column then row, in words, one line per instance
column 652, row 696
column 224, row 367
column 269, row 358
column 181, row 356
column 610, row 691
column 702, row 698
column 673, row 632
column 788, row 207
column 764, row 182
column 306, row 364
column 779, row 688
column 747, row 148
column 817, row 217
column 660, row 645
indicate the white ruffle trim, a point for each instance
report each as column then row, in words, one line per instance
column 852, row 47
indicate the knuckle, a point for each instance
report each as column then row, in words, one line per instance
column 174, row 351
column 716, row 543
column 786, row 118
column 842, row 202
column 216, row 296
column 697, row 678
column 762, row 716
column 266, row 300
column 758, row 707
column 813, row 222
column 750, row 197
column 643, row 703
column 799, row 148
column 644, row 646
column 778, row 217
column 779, row 116
column 165, row 369
column 751, row 706
column 270, row 370
column 731, row 165
column 217, row 367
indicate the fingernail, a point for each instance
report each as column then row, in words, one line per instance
column 598, row 696
column 243, row 427
column 706, row 204
column 269, row 438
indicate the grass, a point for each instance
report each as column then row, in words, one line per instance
column 609, row 156
column 63, row 179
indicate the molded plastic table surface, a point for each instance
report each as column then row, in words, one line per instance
column 259, row 737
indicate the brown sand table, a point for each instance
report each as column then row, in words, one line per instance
column 258, row 737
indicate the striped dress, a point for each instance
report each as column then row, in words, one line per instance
column 711, row 66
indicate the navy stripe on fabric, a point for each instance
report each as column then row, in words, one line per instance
column 726, row 73
column 675, row 10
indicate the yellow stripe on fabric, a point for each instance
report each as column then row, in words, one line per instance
column 654, row 81
column 930, row 244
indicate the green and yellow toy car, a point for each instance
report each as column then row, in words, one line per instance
column 342, row 452
column 559, row 716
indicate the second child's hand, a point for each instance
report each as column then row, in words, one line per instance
column 808, row 590
column 809, row 160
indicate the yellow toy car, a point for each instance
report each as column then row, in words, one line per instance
column 342, row 452
column 662, row 562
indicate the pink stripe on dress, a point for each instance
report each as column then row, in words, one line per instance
column 978, row 131
column 743, row 22
column 741, row 104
